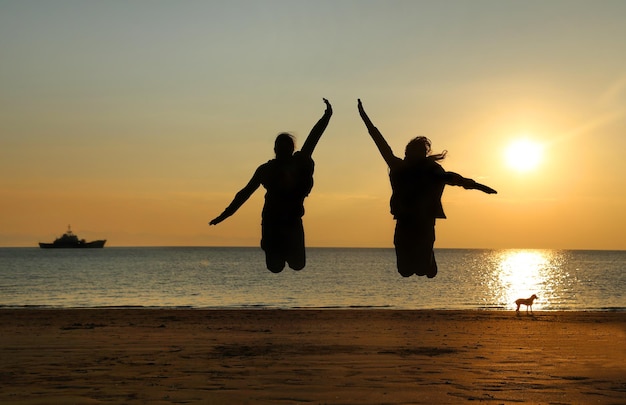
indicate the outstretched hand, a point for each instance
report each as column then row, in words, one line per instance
column 470, row 184
column 217, row 220
column 485, row 189
column 329, row 108
column 363, row 114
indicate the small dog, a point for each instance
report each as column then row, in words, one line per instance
column 526, row 301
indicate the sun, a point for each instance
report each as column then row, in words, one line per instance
column 524, row 155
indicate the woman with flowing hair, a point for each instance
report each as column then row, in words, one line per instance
column 417, row 183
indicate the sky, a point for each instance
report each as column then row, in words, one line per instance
column 137, row 122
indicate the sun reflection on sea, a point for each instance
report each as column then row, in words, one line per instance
column 526, row 272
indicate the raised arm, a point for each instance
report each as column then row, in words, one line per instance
column 240, row 198
column 379, row 140
column 317, row 131
column 455, row 179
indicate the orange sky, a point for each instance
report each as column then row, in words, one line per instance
column 138, row 122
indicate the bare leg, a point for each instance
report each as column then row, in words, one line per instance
column 296, row 254
column 271, row 244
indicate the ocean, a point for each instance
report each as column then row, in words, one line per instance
column 217, row 277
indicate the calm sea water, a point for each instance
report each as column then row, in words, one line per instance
column 334, row 278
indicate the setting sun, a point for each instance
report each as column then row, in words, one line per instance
column 523, row 155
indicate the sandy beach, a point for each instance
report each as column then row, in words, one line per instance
column 354, row 356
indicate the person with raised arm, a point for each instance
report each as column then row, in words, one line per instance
column 417, row 183
column 288, row 180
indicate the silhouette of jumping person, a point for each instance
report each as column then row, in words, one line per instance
column 417, row 183
column 288, row 180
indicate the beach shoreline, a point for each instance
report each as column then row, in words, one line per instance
column 319, row 356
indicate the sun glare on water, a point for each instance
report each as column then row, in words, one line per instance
column 523, row 273
column 523, row 155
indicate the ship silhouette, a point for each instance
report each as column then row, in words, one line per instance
column 70, row 241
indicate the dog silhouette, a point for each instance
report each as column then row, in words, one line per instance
column 526, row 301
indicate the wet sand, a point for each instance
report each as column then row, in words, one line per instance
column 354, row 356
